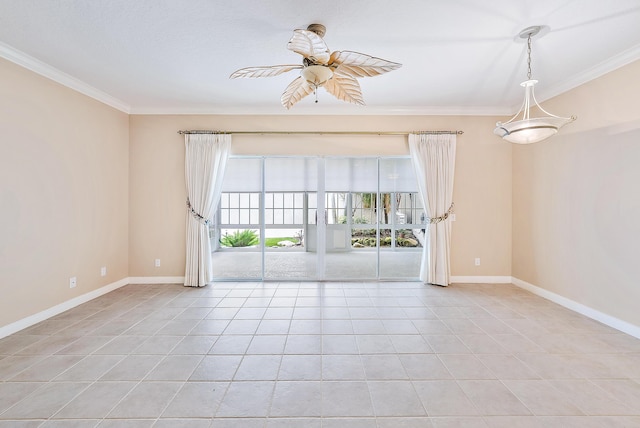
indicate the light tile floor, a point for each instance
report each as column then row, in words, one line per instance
column 319, row 355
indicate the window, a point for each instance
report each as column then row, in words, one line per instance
column 284, row 208
column 267, row 223
column 239, row 208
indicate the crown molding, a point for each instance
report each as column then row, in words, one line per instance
column 20, row 58
column 347, row 110
column 30, row 63
column 599, row 70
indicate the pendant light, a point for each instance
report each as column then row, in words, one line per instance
column 530, row 129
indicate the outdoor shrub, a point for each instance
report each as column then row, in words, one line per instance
column 385, row 242
column 354, row 220
column 240, row 238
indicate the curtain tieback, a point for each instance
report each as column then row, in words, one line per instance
column 197, row 216
column 434, row 220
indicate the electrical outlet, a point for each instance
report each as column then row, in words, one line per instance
column 477, row 261
column 453, row 217
column 103, row 271
column 157, row 262
column 72, row 282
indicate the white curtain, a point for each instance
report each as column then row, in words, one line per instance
column 205, row 161
column 433, row 157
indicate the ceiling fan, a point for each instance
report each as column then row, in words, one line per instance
column 337, row 72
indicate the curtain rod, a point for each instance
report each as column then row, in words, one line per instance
column 318, row 132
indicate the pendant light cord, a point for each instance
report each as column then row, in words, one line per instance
column 529, row 57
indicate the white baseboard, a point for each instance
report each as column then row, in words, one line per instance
column 58, row 309
column 156, row 280
column 606, row 319
column 481, row 280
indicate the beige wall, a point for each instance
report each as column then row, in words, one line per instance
column 576, row 199
column 85, row 186
column 63, row 193
column 157, row 195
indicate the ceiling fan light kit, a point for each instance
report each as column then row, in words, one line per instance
column 317, row 75
column 337, row 71
column 530, row 130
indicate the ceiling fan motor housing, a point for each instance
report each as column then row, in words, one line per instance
column 319, row 29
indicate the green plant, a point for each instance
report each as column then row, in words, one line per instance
column 240, row 238
column 368, row 200
column 354, row 220
column 385, row 242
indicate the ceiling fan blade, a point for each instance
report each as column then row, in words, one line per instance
column 268, row 71
column 361, row 65
column 309, row 45
column 297, row 90
column 345, row 88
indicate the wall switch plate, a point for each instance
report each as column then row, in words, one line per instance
column 103, row 271
column 72, row 282
column 453, row 217
column 477, row 261
column 157, row 262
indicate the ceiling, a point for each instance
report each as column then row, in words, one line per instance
column 459, row 57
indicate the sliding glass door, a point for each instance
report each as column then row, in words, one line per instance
column 236, row 234
column 313, row 218
column 352, row 249
column 400, row 220
column 287, row 183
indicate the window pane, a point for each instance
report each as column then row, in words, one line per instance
column 239, row 238
column 268, row 200
column 384, row 213
column 268, row 216
column 297, row 216
column 385, row 238
column 277, row 200
column 244, row 216
column 397, row 175
column 288, row 216
column 290, row 174
column 409, row 205
column 312, row 200
column 288, row 200
column 278, row 217
column 224, row 216
column 255, row 216
column 351, row 174
column 234, row 200
column 363, row 207
column 255, row 200
column 242, row 175
column 336, row 204
column 363, row 238
column 405, row 238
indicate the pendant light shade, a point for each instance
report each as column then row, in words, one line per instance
column 530, row 129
